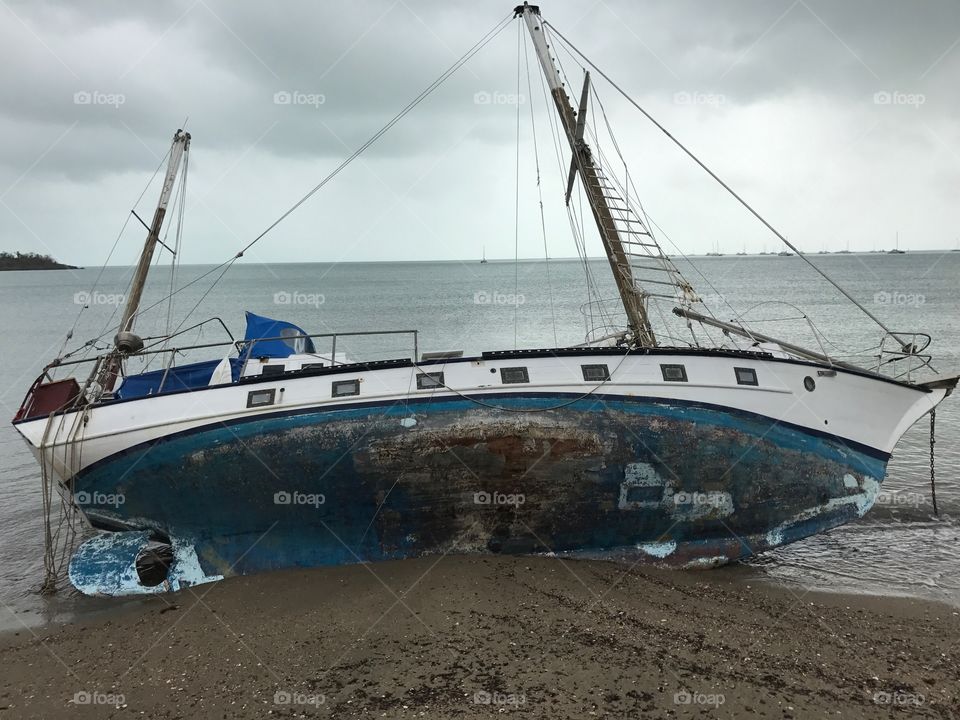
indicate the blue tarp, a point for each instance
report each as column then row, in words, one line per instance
column 183, row 377
column 197, row 375
column 294, row 339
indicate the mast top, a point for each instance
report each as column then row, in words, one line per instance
column 520, row 9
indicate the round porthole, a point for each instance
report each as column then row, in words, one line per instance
column 809, row 384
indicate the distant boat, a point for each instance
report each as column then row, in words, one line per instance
column 896, row 249
column 785, row 253
column 844, row 252
column 744, row 251
column 483, row 260
column 715, row 252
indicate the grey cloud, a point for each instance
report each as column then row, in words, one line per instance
column 816, row 66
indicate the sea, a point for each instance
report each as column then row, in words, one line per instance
column 901, row 547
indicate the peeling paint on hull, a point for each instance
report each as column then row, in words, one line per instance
column 680, row 483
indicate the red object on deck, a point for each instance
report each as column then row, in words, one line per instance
column 47, row 398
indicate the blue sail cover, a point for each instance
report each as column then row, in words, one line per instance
column 294, row 340
column 184, row 377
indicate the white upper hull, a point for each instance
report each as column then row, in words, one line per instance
column 862, row 409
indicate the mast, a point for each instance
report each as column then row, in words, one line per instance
column 181, row 142
column 633, row 298
column 180, row 146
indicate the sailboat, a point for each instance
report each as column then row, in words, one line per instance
column 483, row 260
column 281, row 452
column 896, row 248
column 716, row 251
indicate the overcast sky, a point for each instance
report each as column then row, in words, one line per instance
column 837, row 120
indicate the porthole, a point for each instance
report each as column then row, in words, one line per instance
column 809, row 384
column 343, row 388
column 259, row 398
column 746, row 376
column 674, row 373
column 429, row 381
column 595, row 373
column 513, row 375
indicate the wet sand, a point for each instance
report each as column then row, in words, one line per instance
column 483, row 636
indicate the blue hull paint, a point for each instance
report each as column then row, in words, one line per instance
column 681, row 482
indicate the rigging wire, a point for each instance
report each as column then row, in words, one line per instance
column 227, row 264
column 479, row 45
column 516, row 204
column 592, row 286
column 726, row 187
column 536, row 157
column 113, row 248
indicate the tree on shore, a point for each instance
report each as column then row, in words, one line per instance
column 29, row 261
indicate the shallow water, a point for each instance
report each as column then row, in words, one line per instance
column 899, row 548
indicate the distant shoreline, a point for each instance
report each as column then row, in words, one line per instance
column 31, row 261
column 54, row 265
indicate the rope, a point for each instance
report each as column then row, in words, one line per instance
column 933, row 484
column 726, row 187
column 57, row 546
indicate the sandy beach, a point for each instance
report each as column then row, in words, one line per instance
column 479, row 636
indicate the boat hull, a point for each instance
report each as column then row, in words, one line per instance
column 678, row 482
